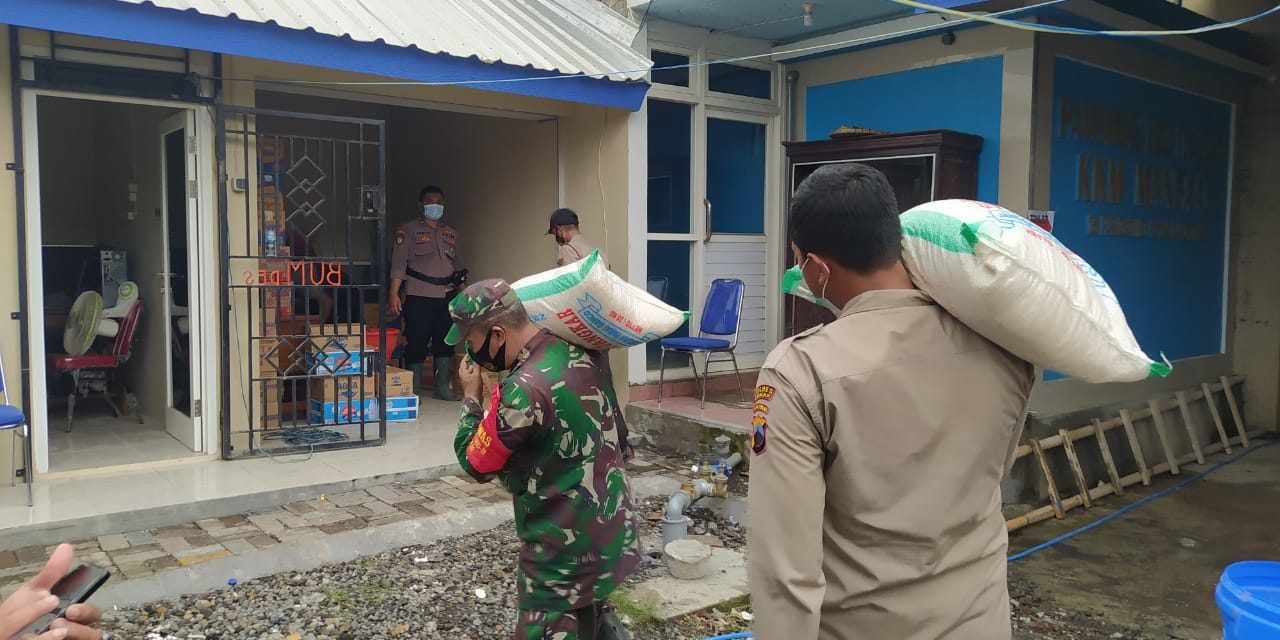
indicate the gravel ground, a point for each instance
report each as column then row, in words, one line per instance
column 464, row 589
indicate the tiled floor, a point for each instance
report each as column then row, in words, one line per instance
column 410, row 447
column 99, row 439
column 722, row 409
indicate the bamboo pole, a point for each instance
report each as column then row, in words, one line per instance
column 1158, row 419
column 1074, row 461
column 1055, row 500
column 1191, row 427
column 1217, row 418
column 1105, row 449
column 1235, row 412
column 1134, row 447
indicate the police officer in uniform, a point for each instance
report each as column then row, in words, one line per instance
column 425, row 263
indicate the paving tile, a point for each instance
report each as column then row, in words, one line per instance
column 299, row 508
column 381, row 509
column 455, row 493
column 360, row 511
column 113, row 542
column 233, row 521
column 240, row 546
column 137, row 557
column 86, row 545
column 456, row 481
column 438, row 495
column 291, row 521
column 212, row 524
column 392, row 496
column 263, row 541
column 22, row 571
column 212, row 555
column 139, row 538
column 173, row 546
column 351, row 498
column 346, row 525
column 8, row 559
column 294, row 535
column 268, row 524
column 332, row 517
column 34, row 553
column 160, row 564
column 199, row 551
column 415, row 509
column 135, row 571
column 398, row 517
column 246, row 530
column 177, row 531
column 200, row 539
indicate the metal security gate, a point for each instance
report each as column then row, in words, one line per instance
column 304, row 268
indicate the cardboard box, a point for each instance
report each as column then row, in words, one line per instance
column 399, row 382
column 402, row 409
column 341, row 363
column 343, row 412
column 344, row 388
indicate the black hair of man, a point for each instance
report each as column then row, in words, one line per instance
column 431, row 188
column 847, row 213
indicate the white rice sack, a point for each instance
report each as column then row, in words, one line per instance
column 592, row 307
column 1016, row 285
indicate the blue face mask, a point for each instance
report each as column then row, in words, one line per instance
column 433, row 211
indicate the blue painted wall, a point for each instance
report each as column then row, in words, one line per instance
column 962, row 96
column 1161, row 247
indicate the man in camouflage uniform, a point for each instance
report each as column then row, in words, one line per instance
column 548, row 431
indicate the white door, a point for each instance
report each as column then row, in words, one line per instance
column 738, row 190
column 181, row 279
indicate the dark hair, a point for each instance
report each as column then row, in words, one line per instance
column 848, row 213
column 431, row 188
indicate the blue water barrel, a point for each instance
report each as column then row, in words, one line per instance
column 1248, row 596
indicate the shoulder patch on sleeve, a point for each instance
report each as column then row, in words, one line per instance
column 760, row 420
column 399, row 237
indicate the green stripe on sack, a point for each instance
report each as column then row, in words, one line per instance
column 561, row 283
column 942, row 231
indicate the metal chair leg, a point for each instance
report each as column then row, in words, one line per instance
column 13, row 457
column 706, row 379
column 71, row 398
column 27, row 471
column 738, row 374
column 662, row 368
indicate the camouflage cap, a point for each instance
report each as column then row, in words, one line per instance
column 477, row 303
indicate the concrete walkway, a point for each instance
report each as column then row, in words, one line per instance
column 1156, row 567
column 204, row 554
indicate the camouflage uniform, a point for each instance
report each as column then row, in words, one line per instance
column 548, row 432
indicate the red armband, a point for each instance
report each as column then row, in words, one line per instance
column 486, row 453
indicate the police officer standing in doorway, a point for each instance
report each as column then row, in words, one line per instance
column 425, row 262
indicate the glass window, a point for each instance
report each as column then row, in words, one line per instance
column 670, row 272
column 740, row 81
column 670, row 162
column 735, row 175
column 677, row 77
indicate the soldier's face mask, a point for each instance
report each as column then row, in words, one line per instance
column 491, row 363
column 433, row 211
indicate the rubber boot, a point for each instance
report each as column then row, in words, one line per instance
column 443, row 371
column 418, row 388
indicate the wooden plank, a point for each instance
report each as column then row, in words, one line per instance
column 1191, row 427
column 1235, row 412
column 1055, row 500
column 1217, row 417
column 1157, row 417
column 1076, row 469
column 1134, row 447
column 1100, row 435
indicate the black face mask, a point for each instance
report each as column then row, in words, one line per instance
column 493, row 365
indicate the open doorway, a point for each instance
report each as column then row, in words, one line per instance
column 115, row 353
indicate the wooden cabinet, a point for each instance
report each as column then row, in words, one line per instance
column 922, row 166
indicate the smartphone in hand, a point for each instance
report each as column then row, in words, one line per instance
column 74, row 588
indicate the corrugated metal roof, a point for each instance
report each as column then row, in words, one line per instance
column 562, row 36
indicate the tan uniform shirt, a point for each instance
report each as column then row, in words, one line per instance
column 433, row 252
column 879, row 445
column 576, row 249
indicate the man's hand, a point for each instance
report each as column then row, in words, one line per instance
column 33, row 600
column 394, row 306
column 469, row 376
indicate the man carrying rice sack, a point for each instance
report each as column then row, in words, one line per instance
column 548, row 431
column 879, row 443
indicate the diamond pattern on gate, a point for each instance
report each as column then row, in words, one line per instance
column 306, row 198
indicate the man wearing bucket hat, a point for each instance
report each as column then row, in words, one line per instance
column 548, row 431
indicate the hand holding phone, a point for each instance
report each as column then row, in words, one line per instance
column 32, row 606
column 74, row 588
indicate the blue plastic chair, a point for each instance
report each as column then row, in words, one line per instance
column 13, row 420
column 721, row 318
